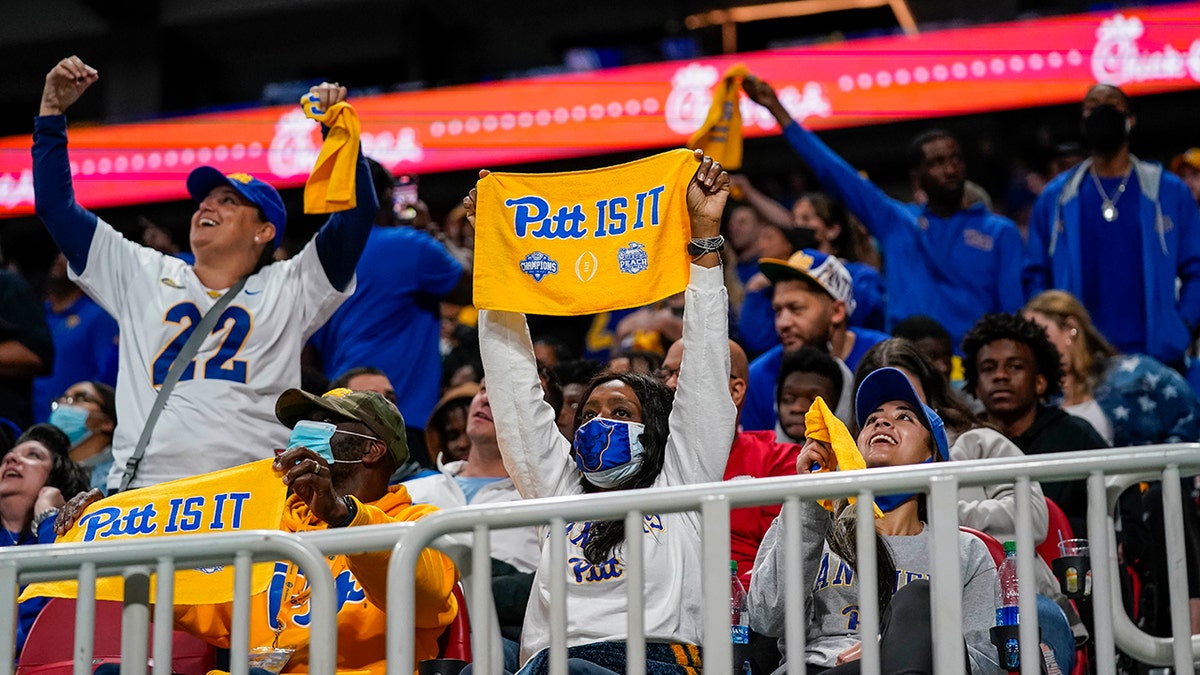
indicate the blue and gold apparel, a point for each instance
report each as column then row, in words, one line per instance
column 85, row 348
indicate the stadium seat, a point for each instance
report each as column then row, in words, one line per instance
column 49, row 649
column 1059, row 530
column 455, row 643
column 993, row 545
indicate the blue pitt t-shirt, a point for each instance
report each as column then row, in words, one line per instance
column 1112, row 277
column 392, row 322
column 85, row 342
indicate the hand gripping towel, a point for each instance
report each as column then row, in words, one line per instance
column 330, row 186
column 721, row 134
column 246, row 497
column 584, row 242
column 820, row 424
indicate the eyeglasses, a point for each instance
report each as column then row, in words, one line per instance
column 67, row 399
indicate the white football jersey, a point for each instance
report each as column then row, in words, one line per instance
column 222, row 411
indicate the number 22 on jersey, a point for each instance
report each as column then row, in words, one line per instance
column 235, row 322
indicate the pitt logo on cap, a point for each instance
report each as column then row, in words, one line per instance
column 240, row 177
column 804, row 261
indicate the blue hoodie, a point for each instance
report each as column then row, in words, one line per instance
column 1170, row 250
column 953, row 269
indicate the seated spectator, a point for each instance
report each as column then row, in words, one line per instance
column 928, row 336
column 35, row 474
column 811, row 298
column 366, row 378
column 838, row 233
column 651, row 330
column 992, row 508
column 573, row 376
column 364, row 434
column 402, row 274
column 1012, row 369
column 637, row 361
column 742, row 229
column 1187, row 167
column 754, row 454
column 897, row 430
column 949, row 261
column 804, row 375
column 550, row 351
column 85, row 340
column 446, row 431
column 1131, row 399
column 662, row 441
column 480, row 477
column 87, row 414
column 26, row 348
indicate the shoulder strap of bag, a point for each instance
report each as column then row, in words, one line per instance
column 182, row 359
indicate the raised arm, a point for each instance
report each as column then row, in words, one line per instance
column 703, row 417
column 535, row 454
column 71, row 225
column 342, row 238
column 879, row 212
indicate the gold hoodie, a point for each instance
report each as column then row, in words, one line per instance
column 361, row 582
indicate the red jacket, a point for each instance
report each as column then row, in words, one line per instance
column 755, row 454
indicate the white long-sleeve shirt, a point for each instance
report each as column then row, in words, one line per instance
column 701, row 423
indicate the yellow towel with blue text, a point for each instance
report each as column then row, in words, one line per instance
column 820, row 424
column 583, row 242
column 247, row 497
column 721, row 134
column 330, row 186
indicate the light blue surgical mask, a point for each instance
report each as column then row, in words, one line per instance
column 609, row 452
column 316, row 436
column 72, row 419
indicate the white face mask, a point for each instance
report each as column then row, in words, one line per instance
column 609, row 452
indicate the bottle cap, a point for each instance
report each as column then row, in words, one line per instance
column 733, row 566
column 1010, row 547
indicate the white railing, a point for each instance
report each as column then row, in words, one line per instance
column 136, row 560
column 940, row 482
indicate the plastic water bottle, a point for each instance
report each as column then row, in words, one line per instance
column 1007, row 610
column 739, row 621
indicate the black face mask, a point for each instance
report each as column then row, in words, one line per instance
column 1106, row 129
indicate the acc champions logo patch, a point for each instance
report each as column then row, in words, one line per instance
column 538, row 265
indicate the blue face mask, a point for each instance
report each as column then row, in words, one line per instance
column 316, row 436
column 72, row 419
column 608, row 452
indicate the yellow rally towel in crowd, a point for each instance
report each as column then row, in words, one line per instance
column 586, row 241
column 247, row 497
column 330, row 186
column 721, row 134
column 820, row 424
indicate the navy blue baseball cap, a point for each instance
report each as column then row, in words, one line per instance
column 891, row 384
column 202, row 180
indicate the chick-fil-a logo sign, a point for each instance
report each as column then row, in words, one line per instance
column 295, row 145
column 691, row 96
column 1117, row 58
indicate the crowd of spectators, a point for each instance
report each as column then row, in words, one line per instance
column 1074, row 333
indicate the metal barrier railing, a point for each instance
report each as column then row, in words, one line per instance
column 940, row 482
column 136, row 560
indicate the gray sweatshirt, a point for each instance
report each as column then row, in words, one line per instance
column 831, row 604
